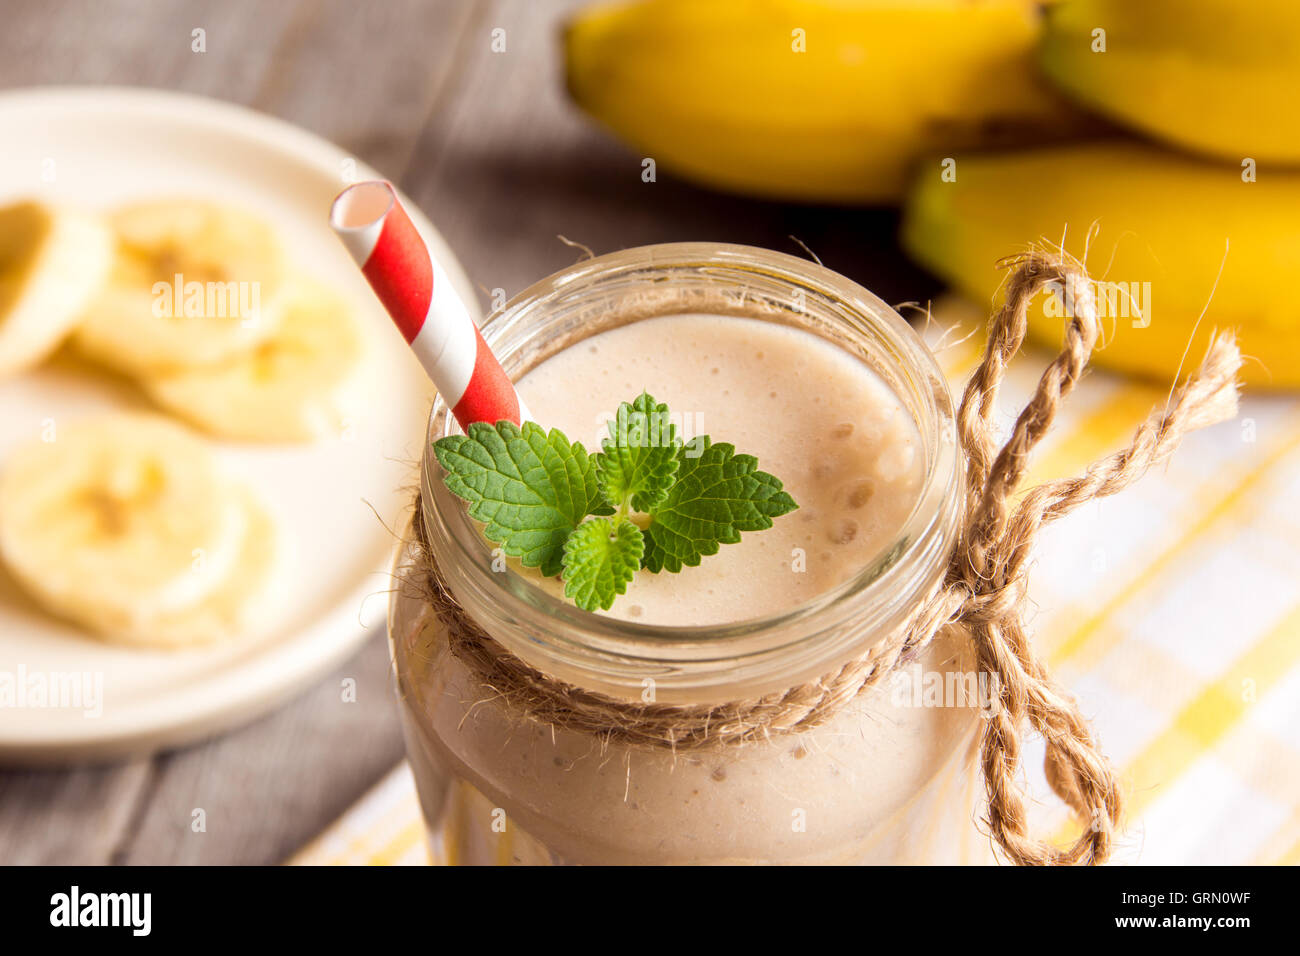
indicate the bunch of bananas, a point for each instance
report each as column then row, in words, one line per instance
column 125, row 523
column 933, row 102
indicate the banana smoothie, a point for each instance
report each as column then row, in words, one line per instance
column 885, row 780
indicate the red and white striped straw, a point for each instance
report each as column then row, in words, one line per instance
column 419, row 296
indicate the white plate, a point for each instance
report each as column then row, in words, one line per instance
column 98, row 147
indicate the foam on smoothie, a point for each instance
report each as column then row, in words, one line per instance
column 814, row 416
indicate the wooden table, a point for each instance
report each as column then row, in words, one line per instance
column 488, row 145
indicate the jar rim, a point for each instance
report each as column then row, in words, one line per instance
column 616, row 656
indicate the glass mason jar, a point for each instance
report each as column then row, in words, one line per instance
column 890, row 778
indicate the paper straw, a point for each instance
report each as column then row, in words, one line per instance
column 419, row 296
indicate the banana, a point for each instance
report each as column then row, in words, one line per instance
column 1165, row 222
column 813, row 99
column 239, row 599
column 300, row 384
column 124, row 524
column 51, row 263
column 192, row 283
column 1215, row 76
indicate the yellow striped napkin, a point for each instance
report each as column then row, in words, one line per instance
column 1172, row 611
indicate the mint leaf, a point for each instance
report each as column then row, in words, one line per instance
column 533, row 491
column 600, row 558
column 639, row 458
column 529, row 487
column 714, row 498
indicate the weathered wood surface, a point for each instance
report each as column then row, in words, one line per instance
column 486, row 143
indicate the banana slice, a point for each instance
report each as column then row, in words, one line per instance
column 51, row 263
column 192, row 283
column 119, row 523
column 301, row 384
column 238, row 601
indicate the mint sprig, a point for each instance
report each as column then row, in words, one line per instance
column 549, row 503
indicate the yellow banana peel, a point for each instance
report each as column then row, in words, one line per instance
column 1215, row 76
column 1171, row 234
column 813, row 99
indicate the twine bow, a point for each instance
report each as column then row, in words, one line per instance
column 984, row 591
column 989, row 563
